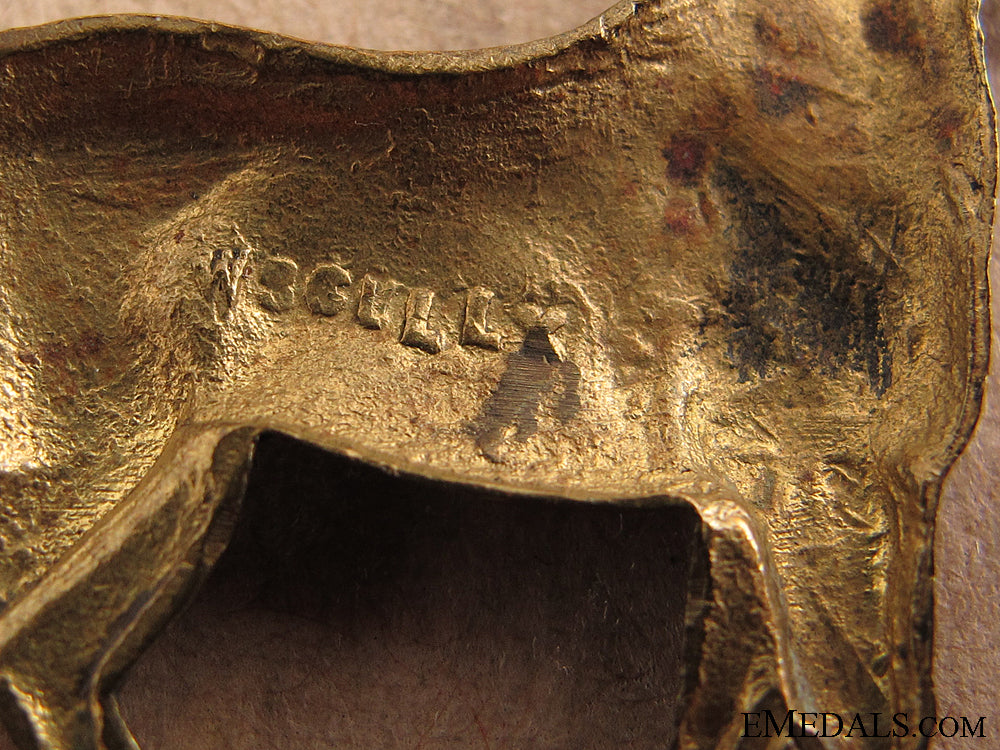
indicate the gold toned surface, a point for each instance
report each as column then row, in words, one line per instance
column 756, row 291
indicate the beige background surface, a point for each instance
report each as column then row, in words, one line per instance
column 967, row 668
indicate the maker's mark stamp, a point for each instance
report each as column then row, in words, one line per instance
column 325, row 289
column 329, row 289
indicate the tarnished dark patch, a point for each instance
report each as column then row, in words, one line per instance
column 779, row 95
column 533, row 373
column 892, row 26
column 813, row 306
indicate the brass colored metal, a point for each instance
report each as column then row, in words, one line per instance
column 729, row 254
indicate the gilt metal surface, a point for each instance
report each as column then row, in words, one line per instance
column 725, row 254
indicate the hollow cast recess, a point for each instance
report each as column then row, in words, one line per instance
column 355, row 609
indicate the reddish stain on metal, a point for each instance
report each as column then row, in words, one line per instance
column 682, row 217
column 686, row 158
column 708, row 209
column 948, row 123
column 70, row 359
column 630, row 188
